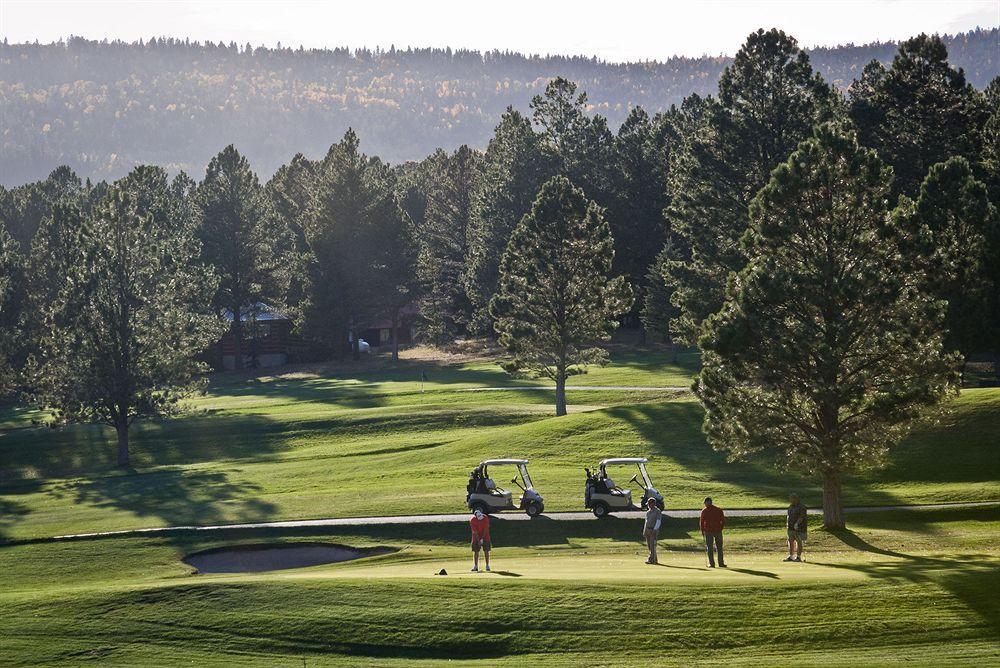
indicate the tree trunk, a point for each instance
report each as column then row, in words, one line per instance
column 395, row 335
column 833, row 502
column 237, row 339
column 561, row 393
column 123, row 460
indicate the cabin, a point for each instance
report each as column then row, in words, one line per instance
column 379, row 333
column 268, row 339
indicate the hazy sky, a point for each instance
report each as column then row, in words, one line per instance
column 611, row 29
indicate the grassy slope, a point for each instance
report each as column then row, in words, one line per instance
column 372, row 442
column 913, row 587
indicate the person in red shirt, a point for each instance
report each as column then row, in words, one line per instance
column 480, row 524
column 712, row 522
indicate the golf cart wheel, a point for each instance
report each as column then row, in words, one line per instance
column 600, row 510
column 533, row 510
column 661, row 505
column 481, row 507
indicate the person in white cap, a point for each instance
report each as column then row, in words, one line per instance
column 480, row 524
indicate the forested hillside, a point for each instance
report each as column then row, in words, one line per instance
column 102, row 108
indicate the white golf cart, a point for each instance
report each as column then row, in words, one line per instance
column 603, row 495
column 487, row 496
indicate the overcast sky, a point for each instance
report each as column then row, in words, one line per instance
column 616, row 30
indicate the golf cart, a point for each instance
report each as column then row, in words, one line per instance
column 485, row 495
column 603, row 495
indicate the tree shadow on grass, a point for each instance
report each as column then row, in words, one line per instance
column 974, row 578
column 172, row 496
column 672, row 431
column 11, row 512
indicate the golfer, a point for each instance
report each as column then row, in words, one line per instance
column 480, row 524
column 797, row 525
column 650, row 530
column 712, row 522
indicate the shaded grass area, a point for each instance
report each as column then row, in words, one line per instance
column 912, row 586
column 299, row 447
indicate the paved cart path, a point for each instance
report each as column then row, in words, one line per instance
column 598, row 388
column 517, row 517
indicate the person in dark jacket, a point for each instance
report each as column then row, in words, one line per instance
column 712, row 522
column 797, row 525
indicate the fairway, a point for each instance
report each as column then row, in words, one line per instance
column 371, row 441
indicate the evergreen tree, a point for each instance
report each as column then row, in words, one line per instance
column 990, row 158
column 672, row 131
column 769, row 99
column 826, row 348
column 444, row 242
column 28, row 205
column 642, row 160
column 291, row 190
column 952, row 232
column 360, row 245
column 557, row 298
column 10, row 262
column 919, row 112
column 55, row 250
column 243, row 241
column 579, row 145
column 130, row 321
column 514, row 169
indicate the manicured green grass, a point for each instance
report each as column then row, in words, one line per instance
column 914, row 587
column 371, row 442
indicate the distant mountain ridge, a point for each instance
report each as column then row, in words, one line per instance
column 103, row 107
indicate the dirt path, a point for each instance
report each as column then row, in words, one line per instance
column 517, row 517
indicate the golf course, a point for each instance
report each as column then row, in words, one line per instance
column 372, row 438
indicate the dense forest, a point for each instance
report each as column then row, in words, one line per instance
column 104, row 107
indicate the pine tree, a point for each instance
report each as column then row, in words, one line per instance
column 243, row 241
column 132, row 317
column 989, row 159
column 362, row 254
column 952, row 232
column 10, row 264
column 642, row 160
column 557, row 298
column 826, row 348
column 444, row 242
column 919, row 112
column 514, row 169
column 291, row 190
column 769, row 99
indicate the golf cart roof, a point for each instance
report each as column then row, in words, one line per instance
column 501, row 462
column 624, row 460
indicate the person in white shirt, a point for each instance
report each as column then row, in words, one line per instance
column 650, row 530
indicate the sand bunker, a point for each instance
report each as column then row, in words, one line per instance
column 274, row 557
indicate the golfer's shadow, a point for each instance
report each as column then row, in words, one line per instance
column 684, row 568
column 509, row 574
column 763, row 574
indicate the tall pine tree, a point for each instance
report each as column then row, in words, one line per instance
column 826, row 348
column 557, row 297
column 243, row 240
column 769, row 99
column 133, row 316
column 514, row 169
column 919, row 112
column 444, row 242
column 952, row 234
